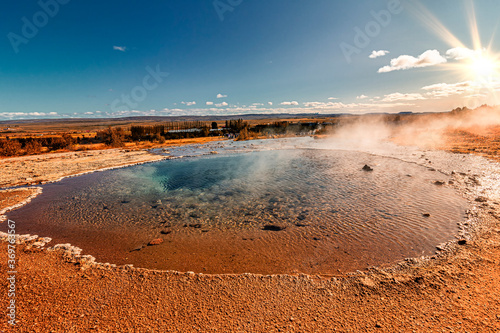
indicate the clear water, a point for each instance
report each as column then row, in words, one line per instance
column 281, row 211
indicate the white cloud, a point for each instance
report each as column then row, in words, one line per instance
column 445, row 89
column 476, row 96
column 290, row 103
column 426, row 59
column 270, row 103
column 258, row 104
column 221, row 104
column 89, row 113
column 376, row 54
column 332, row 98
column 210, row 103
column 461, row 53
column 322, row 105
column 402, row 97
column 27, row 114
column 362, row 97
column 120, row 48
column 189, row 103
column 221, row 96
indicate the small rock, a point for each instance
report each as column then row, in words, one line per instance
column 462, row 242
column 474, row 179
column 367, row 168
column 439, row 183
column 157, row 241
column 271, row 227
column 481, row 199
column 378, row 325
column 195, row 225
column 426, row 215
column 165, row 232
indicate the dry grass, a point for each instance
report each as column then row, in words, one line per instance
column 483, row 141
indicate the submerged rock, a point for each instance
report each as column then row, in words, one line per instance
column 157, row 241
column 271, row 227
column 301, row 217
column 367, row 168
column 426, row 215
column 439, row 183
column 137, row 248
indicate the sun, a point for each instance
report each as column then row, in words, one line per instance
column 483, row 68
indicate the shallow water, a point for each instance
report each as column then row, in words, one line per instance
column 279, row 211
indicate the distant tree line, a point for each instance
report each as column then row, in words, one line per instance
column 118, row 136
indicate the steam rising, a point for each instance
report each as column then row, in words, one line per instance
column 424, row 130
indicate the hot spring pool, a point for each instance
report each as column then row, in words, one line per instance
column 279, row 211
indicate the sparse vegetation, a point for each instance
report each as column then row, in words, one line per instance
column 112, row 137
column 10, row 148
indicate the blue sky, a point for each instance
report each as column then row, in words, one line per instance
column 69, row 58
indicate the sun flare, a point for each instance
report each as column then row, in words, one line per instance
column 483, row 68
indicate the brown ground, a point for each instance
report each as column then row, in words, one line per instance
column 476, row 140
column 456, row 292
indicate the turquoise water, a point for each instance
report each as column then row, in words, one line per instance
column 282, row 211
